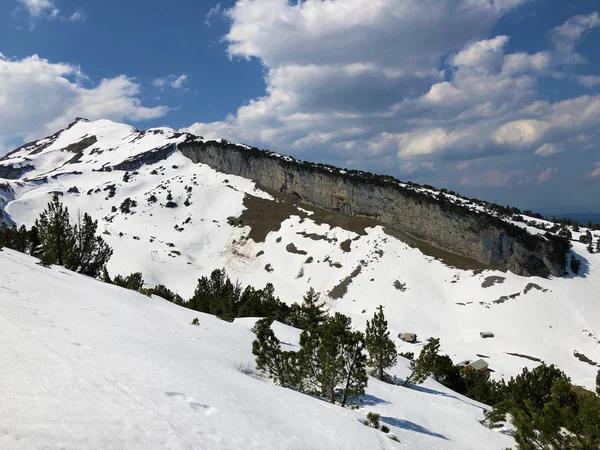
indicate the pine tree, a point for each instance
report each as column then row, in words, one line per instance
column 313, row 313
column 598, row 383
column 424, row 365
column 355, row 361
column 332, row 356
column 281, row 366
column 134, row 281
column 56, row 233
column 90, row 253
column 266, row 347
column 382, row 350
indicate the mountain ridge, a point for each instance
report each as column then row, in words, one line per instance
column 444, row 221
column 174, row 221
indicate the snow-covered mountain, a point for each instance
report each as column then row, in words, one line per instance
column 87, row 365
column 175, row 220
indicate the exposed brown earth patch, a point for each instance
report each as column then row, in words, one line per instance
column 492, row 280
column 340, row 290
column 519, row 355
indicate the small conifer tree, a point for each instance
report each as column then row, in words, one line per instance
column 382, row 350
column 313, row 312
column 56, row 233
column 425, row 364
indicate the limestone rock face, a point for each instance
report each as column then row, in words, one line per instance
column 442, row 224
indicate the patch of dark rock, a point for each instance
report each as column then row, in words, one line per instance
column 400, row 286
column 581, row 357
column 379, row 252
column 12, row 172
column 291, row 248
column 506, row 297
column 492, row 280
column 531, row 286
column 482, row 356
column 150, row 157
column 78, row 148
column 171, row 204
column 235, row 221
column 531, row 358
column 341, row 289
column 153, row 172
column 345, row 246
column 337, row 265
column 278, row 240
column 315, row 236
column 260, row 253
column 113, row 209
column 136, row 238
column 152, row 199
column 309, row 260
column 73, row 190
column 269, row 268
column 170, row 244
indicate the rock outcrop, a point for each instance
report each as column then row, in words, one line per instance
column 435, row 220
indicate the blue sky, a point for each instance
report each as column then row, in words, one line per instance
column 498, row 99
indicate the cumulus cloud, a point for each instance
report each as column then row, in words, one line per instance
column 545, row 175
column 566, row 36
column 589, row 80
column 172, row 81
column 455, row 93
column 596, row 172
column 66, row 94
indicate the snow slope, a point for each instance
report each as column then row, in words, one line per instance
column 88, row 365
column 538, row 319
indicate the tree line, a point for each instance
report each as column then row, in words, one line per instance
column 57, row 239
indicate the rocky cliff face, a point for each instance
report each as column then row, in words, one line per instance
column 437, row 221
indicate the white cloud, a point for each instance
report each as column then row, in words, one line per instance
column 47, row 9
column 37, row 8
column 172, row 81
column 78, row 16
column 547, row 149
column 566, row 36
column 589, row 80
column 38, row 97
column 212, row 12
column 595, row 173
column 545, row 175
column 453, row 93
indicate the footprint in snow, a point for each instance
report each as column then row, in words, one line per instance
column 207, row 409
